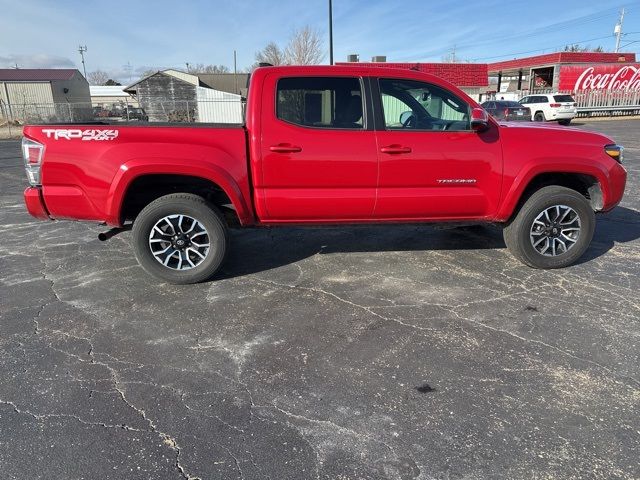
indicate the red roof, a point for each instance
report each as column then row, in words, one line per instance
column 460, row 74
column 563, row 57
column 35, row 74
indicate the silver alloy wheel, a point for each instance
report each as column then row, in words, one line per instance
column 179, row 242
column 555, row 230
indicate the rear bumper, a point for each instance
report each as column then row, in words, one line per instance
column 563, row 115
column 34, row 201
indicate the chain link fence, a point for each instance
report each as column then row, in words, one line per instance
column 14, row 116
column 593, row 103
column 590, row 103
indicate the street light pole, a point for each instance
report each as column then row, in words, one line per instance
column 330, row 33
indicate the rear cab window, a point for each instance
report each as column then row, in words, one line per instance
column 563, row 98
column 508, row 104
column 321, row 102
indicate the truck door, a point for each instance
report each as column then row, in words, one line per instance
column 432, row 165
column 318, row 151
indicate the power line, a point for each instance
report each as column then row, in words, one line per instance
column 540, row 49
column 593, row 17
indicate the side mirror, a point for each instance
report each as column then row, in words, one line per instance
column 405, row 116
column 479, row 120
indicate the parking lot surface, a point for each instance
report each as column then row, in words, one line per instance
column 400, row 352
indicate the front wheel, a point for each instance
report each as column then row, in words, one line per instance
column 180, row 238
column 539, row 117
column 553, row 228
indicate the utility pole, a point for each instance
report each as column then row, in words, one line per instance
column 82, row 49
column 128, row 69
column 330, row 33
column 617, row 30
column 235, row 71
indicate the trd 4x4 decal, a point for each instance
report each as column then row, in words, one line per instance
column 69, row 134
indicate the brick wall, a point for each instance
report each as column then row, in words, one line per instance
column 460, row 74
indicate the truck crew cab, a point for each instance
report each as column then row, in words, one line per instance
column 327, row 145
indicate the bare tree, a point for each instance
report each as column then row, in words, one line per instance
column 272, row 54
column 305, row 47
column 577, row 48
column 149, row 72
column 97, row 77
column 202, row 68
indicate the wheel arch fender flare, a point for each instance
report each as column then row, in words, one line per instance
column 133, row 169
column 529, row 172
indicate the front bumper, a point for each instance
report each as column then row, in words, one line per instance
column 34, row 201
column 617, row 183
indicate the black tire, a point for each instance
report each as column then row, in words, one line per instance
column 196, row 208
column 539, row 117
column 565, row 121
column 518, row 235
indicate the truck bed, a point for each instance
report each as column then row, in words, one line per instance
column 88, row 167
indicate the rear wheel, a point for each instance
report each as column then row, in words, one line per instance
column 539, row 117
column 180, row 238
column 553, row 228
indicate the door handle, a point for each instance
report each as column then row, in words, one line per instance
column 392, row 149
column 285, row 148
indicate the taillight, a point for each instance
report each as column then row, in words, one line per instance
column 554, row 105
column 32, row 153
column 506, row 112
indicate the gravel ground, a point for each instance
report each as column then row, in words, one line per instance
column 339, row 353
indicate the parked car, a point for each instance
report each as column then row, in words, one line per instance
column 135, row 113
column 326, row 145
column 507, row 110
column 100, row 112
column 551, row 107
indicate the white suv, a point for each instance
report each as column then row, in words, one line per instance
column 551, row 107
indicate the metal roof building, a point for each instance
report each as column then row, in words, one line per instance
column 564, row 71
column 175, row 96
column 43, row 86
column 104, row 95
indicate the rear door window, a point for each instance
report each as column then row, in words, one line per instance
column 320, row 102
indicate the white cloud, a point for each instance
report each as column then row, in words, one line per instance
column 37, row 60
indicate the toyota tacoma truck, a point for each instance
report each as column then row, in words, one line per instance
column 326, row 145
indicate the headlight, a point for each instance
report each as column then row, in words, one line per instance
column 615, row 151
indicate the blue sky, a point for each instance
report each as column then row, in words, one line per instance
column 162, row 33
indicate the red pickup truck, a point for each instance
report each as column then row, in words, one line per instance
column 327, row 145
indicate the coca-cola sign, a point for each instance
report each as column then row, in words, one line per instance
column 600, row 77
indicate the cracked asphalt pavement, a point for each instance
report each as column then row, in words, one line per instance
column 398, row 352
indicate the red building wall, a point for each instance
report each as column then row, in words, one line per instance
column 563, row 57
column 600, row 77
column 470, row 75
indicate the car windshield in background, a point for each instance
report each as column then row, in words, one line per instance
column 563, row 98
